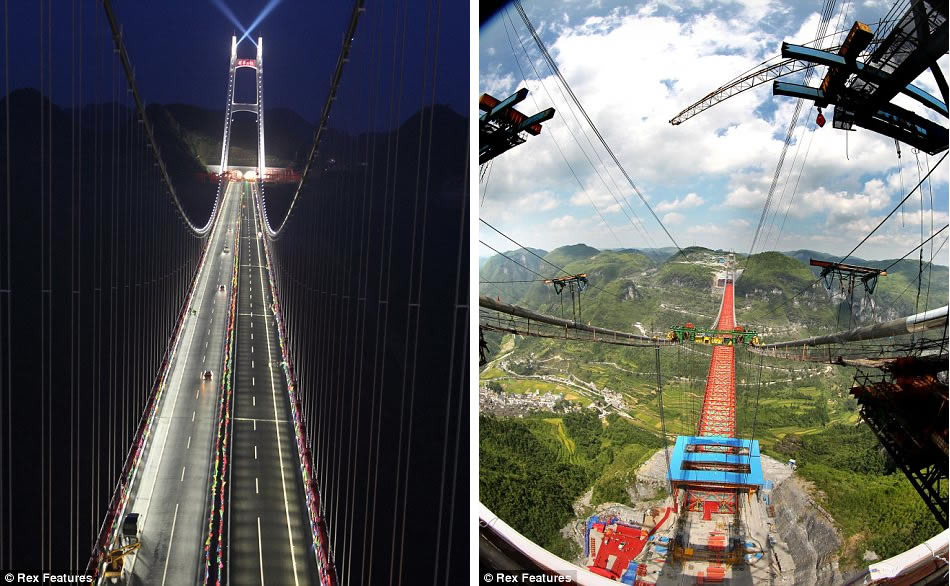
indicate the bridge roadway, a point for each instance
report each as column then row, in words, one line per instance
column 172, row 496
column 268, row 528
column 718, row 415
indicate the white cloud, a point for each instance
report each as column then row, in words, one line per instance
column 563, row 222
column 499, row 85
column 743, row 197
column 537, row 201
column 673, row 218
column 690, row 200
column 633, row 69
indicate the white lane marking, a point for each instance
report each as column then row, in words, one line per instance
column 196, row 392
column 182, row 474
column 252, row 381
column 256, row 487
column 252, row 335
column 252, row 364
column 171, row 538
column 192, row 327
column 203, row 357
column 280, row 453
column 209, row 330
column 252, row 349
column 255, row 424
column 255, row 452
column 254, row 401
column 260, row 551
column 192, row 416
column 206, row 344
column 189, row 443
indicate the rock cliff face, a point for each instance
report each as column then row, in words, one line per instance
column 808, row 531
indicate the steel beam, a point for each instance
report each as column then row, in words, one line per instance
column 868, row 72
column 890, row 120
column 934, row 318
column 489, row 303
column 538, row 118
column 928, row 52
column 508, row 102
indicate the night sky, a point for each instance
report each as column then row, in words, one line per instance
column 180, row 49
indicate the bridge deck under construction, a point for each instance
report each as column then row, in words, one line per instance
column 719, row 400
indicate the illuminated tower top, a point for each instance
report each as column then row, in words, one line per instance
column 256, row 108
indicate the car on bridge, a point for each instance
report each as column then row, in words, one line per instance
column 206, row 375
column 221, row 288
column 130, row 527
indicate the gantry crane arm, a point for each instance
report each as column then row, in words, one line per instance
column 764, row 74
column 121, row 552
column 115, row 560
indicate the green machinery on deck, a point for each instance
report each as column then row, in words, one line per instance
column 712, row 336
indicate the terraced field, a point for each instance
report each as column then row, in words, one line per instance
column 566, row 450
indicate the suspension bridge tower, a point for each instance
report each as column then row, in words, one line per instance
column 256, row 108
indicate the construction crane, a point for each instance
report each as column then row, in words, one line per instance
column 501, row 127
column 115, row 561
column 764, row 74
column 862, row 90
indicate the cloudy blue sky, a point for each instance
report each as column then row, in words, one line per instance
column 634, row 66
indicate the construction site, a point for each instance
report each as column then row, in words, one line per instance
column 710, row 507
column 723, row 520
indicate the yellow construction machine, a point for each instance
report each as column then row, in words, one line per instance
column 115, row 561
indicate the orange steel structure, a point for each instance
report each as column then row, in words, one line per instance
column 718, row 415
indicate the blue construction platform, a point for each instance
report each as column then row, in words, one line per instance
column 685, row 453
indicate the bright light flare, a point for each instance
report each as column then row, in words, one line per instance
column 267, row 10
column 250, row 175
column 229, row 14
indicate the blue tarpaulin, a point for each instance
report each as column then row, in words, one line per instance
column 590, row 523
column 682, row 456
column 630, row 576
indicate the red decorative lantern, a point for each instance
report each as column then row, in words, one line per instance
column 820, row 120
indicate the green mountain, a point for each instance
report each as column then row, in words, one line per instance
column 288, row 135
column 508, row 278
column 895, row 294
column 773, row 290
column 567, row 254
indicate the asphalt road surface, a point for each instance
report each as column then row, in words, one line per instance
column 172, row 495
column 269, row 539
